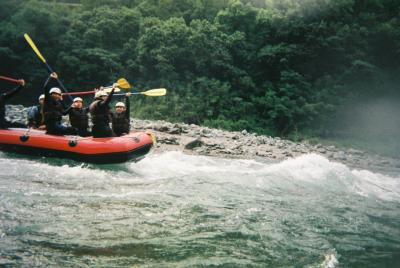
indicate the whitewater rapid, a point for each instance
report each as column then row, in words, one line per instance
column 178, row 210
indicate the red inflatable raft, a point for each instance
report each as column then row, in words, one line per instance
column 132, row 146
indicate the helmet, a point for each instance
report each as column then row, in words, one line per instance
column 41, row 97
column 100, row 93
column 120, row 104
column 78, row 99
column 55, row 90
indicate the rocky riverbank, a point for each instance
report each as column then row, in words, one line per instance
column 194, row 139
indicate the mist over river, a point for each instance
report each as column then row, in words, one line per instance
column 178, row 210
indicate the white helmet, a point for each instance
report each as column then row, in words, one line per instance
column 55, row 90
column 78, row 99
column 120, row 104
column 41, row 97
column 100, row 93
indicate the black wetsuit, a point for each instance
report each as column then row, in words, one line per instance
column 79, row 119
column 53, row 111
column 3, row 98
column 101, row 117
column 121, row 121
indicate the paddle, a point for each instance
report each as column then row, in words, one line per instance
column 151, row 93
column 122, row 83
column 11, row 79
column 152, row 136
column 36, row 50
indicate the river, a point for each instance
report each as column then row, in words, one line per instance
column 177, row 210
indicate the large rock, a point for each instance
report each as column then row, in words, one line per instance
column 168, row 140
column 194, row 143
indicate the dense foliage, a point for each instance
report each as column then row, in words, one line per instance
column 281, row 67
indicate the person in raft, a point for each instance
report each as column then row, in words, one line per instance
column 53, row 109
column 35, row 115
column 121, row 117
column 78, row 117
column 100, row 111
column 3, row 98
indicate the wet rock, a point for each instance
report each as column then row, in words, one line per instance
column 287, row 154
column 263, row 153
column 174, row 130
column 355, row 152
column 185, row 129
column 331, row 148
column 194, row 143
column 281, row 145
column 200, row 150
column 217, row 146
column 340, row 155
column 235, row 137
column 168, row 140
column 161, row 128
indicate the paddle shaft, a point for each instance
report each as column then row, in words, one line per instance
column 36, row 50
column 132, row 93
column 80, row 93
column 58, row 80
column 10, row 79
column 90, row 92
column 157, row 92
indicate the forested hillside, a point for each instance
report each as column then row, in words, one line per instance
column 294, row 68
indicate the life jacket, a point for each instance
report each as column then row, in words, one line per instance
column 53, row 111
column 99, row 116
column 2, row 110
column 120, row 124
column 79, row 118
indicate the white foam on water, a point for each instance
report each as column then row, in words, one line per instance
column 67, row 171
column 330, row 261
column 174, row 163
column 38, row 169
column 318, row 170
column 310, row 170
column 381, row 186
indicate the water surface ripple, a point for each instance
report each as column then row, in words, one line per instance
column 176, row 210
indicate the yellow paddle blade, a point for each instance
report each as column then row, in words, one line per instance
column 155, row 92
column 152, row 136
column 29, row 40
column 123, row 83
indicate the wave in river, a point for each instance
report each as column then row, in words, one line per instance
column 177, row 210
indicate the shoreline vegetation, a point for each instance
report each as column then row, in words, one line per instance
column 200, row 140
column 325, row 70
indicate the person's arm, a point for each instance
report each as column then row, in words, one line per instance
column 109, row 97
column 46, row 88
column 12, row 92
column 67, row 110
column 127, row 107
column 107, row 101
